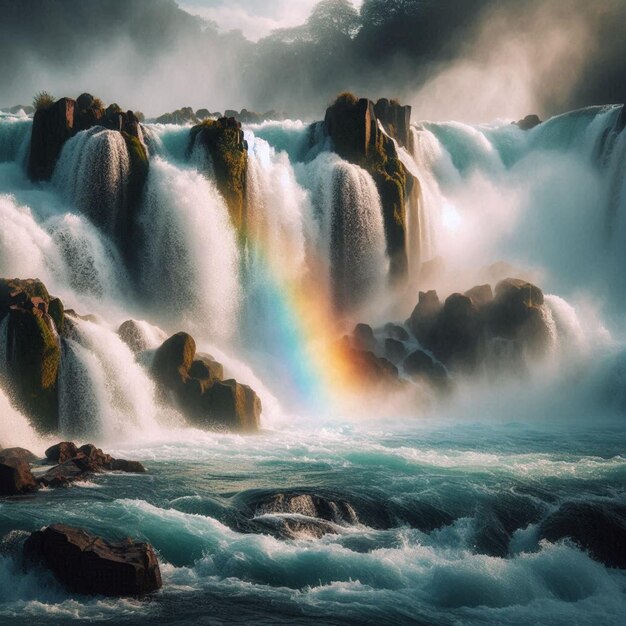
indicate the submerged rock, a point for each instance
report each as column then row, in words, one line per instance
column 88, row 564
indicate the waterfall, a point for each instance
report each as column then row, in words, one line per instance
column 188, row 255
column 14, row 138
column 352, row 237
column 102, row 389
column 92, row 174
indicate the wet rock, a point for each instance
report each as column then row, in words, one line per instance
column 480, row 294
column 424, row 315
column 233, row 405
column 132, row 335
column 204, row 367
column 18, row 453
column 394, row 350
column 530, row 121
column 352, row 125
column 365, row 369
column 61, row 452
column 63, row 474
column 15, row 477
column 599, row 528
column 184, row 115
column 88, row 564
column 226, row 151
column 420, row 364
column 364, row 337
column 173, row 359
column 396, row 120
column 395, row 331
column 131, row 467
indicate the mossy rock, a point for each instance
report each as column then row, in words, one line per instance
column 57, row 313
column 353, row 128
column 33, row 360
column 223, row 141
column 16, row 290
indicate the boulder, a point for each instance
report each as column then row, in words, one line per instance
column 395, row 350
column 396, row 120
column 61, row 452
column 363, row 336
column 15, row 476
column 226, row 159
column 173, row 359
column 421, row 365
column 90, row 565
column 52, row 127
column 365, row 369
column 131, row 467
column 205, row 368
column 63, row 474
column 132, row 335
column 84, row 101
column 395, row 331
column 480, row 294
column 530, row 121
column 599, row 528
column 424, row 315
column 233, row 405
column 18, row 453
column 92, row 459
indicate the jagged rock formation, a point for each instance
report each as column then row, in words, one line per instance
column 88, row 564
column 33, row 347
column 472, row 328
column 226, row 159
column 353, row 127
column 193, row 383
column 396, row 120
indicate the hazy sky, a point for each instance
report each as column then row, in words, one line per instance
column 256, row 18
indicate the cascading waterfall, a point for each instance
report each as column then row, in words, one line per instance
column 92, row 174
column 352, row 238
column 188, row 254
column 14, row 138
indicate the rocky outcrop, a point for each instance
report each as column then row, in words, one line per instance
column 16, row 477
column 420, row 365
column 530, row 121
column 33, row 348
column 193, row 383
column 396, row 120
column 131, row 334
column 182, row 116
column 364, row 369
column 61, row 452
column 470, row 329
column 226, row 160
column 88, row 564
column 352, row 125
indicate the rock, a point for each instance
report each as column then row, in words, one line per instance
column 88, row 564
column 352, row 125
column 234, row 405
column 173, row 359
column 396, row 120
column 223, row 144
column 15, row 476
column 202, row 114
column 18, row 453
column 131, row 467
column 63, row 474
column 132, row 335
column 61, row 452
column 33, row 350
column 530, row 121
column 394, row 350
column 364, row 337
column 454, row 338
column 480, row 294
column 599, row 528
column 420, row 364
column 52, row 127
column 395, row 331
column 206, row 368
column 92, row 459
column 424, row 315
column 180, row 116
column 84, row 101
column 365, row 369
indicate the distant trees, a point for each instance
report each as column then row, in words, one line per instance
column 332, row 18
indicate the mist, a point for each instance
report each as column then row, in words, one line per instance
column 474, row 61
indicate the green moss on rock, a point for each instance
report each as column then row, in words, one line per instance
column 224, row 144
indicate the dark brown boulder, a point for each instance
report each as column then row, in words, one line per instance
column 529, row 122
column 52, row 127
column 91, row 458
column 18, row 453
column 480, row 294
column 206, row 368
column 63, row 474
column 234, row 405
column 61, row 452
column 131, row 467
column 15, row 477
column 424, row 315
column 88, row 564
column 396, row 120
column 173, row 359
column 364, row 369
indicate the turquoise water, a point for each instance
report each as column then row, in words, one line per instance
column 442, row 527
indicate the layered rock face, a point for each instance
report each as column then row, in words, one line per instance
column 85, row 563
column 33, row 347
column 225, row 158
column 193, row 383
column 352, row 125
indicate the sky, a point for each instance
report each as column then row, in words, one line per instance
column 256, row 18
